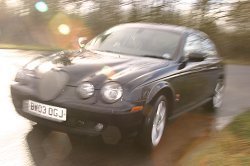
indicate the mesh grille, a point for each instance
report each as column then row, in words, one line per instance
column 51, row 84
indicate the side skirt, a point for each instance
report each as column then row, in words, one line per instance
column 190, row 108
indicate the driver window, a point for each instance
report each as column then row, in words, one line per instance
column 209, row 48
column 197, row 43
column 193, row 44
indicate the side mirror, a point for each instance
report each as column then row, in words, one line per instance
column 196, row 56
column 82, row 41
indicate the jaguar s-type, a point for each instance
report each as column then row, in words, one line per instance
column 129, row 80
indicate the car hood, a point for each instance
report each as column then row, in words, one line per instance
column 100, row 67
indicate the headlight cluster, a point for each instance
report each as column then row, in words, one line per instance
column 86, row 90
column 110, row 92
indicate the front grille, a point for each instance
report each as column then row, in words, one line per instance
column 51, row 84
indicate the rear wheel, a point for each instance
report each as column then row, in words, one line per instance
column 217, row 99
column 154, row 124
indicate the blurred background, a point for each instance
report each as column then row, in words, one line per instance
column 52, row 25
column 56, row 24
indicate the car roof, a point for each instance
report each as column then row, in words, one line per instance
column 173, row 28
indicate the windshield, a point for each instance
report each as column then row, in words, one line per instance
column 137, row 42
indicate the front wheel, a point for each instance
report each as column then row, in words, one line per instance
column 154, row 124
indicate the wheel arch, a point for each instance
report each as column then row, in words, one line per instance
column 162, row 89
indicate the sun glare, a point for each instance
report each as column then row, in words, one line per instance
column 64, row 29
column 41, row 6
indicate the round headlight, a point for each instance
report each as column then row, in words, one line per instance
column 111, row 92
column 86, row 90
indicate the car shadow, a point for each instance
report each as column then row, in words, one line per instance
column 55, row 148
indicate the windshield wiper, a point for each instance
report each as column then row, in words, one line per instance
column 156, row 56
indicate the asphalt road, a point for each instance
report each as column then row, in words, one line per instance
column 24, row 144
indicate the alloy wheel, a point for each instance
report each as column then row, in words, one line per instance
column 158, row 123
column 217, row 98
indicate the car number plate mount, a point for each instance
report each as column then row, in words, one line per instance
column 45, row 111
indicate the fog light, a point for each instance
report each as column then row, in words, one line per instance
column 99, row 126
column 81, row 123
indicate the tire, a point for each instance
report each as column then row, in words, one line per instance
column 216, row 102
column 154, row 124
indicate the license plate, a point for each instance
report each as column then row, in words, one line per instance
column 45, row 111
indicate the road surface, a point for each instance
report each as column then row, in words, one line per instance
column 23, row 144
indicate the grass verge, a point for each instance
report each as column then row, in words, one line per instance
column 231, row 146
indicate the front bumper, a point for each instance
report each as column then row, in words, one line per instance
column 77, row 113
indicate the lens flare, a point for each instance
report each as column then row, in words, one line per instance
column 74, row 26
column 41, row 6
column 64, row 29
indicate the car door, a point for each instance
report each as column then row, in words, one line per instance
column 212, row 63
column 191, row 83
